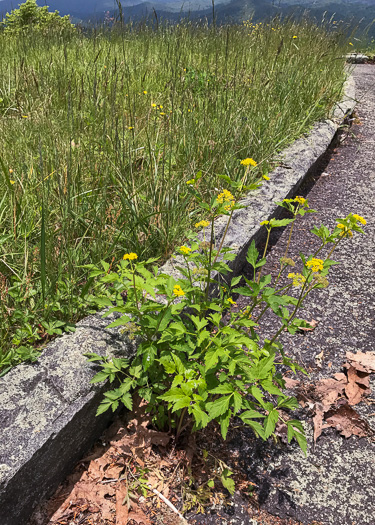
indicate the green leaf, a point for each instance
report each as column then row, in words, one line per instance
column 251, row 414
column 103, row 407
column 235, row 281
column 252, row 254
column 211, row 358
column 224, row 423
column 227, row 481
column 182, row 403
column 211, row 483
column 270, row 387
column 199, row 323
column 237, row 402
column 123, row 320
column 99, row 377
column 218, row 407
column 127, row 400
column 226, row 388
column 148, row 356
column 296, row 430
column 270, row 423
column 257, row 427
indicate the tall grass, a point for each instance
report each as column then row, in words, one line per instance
column 100, row 132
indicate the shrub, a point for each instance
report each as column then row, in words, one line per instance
column 30, row 15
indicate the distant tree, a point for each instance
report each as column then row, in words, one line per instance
column 30, row 15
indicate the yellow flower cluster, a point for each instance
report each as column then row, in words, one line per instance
column 249, row 162
column 300, row 200
column 230, row 301
column 202, row 224
column 264, row 223
column 298, row 279
column 225, row 196
column 178, row 291
column 316, row 265
column 185, row 250
column 360, row 219
column 130, row 256
column 346, row 231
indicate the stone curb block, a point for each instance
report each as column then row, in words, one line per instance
column 47, row 410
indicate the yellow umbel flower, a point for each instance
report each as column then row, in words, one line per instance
column 130, row 256
column 230, row 301
column 185, row 250
column 249, row 162
column 264, row 223
column 178, row 291
column 225, row 196
column 316, row 265
column 298, row 279
column 202, row 224
column 300, row 200
column 360, row 219
column 341, row 226
column 229, row 206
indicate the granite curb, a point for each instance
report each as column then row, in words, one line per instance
column 47, row 409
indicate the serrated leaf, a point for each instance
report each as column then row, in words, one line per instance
column 127, row 400
column 225, row 388
column 270, row 387
column 251, row 414
column 219, row 406
column 211, row 358
column 237, row 402
column 227, row 481
column 99, row 377
column 252, row 254
column 103, row 407
column 181, row 403
column 224, row 424
column 270, row 423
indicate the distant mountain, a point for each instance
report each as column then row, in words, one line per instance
column 225, row 10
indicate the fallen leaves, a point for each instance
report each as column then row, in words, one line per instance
column 332, row 399
column 109, row 486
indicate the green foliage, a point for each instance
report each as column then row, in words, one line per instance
column 191, row 367
column 30, row 16
column 101, row 131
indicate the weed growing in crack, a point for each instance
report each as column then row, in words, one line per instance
column 191, row 367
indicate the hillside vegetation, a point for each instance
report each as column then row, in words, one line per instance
column 100, row 133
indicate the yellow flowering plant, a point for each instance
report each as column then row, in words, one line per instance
column 191, row 366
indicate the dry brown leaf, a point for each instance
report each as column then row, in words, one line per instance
column 122, row 511
column 113, row 471
column 318, row 421
column 362, row 361
column 319, row 359
column 139, row 517
column 347, row 421
column 329, row 390
column 357, row 387
column 290, row 383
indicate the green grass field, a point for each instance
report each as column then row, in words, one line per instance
column 101, row 131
